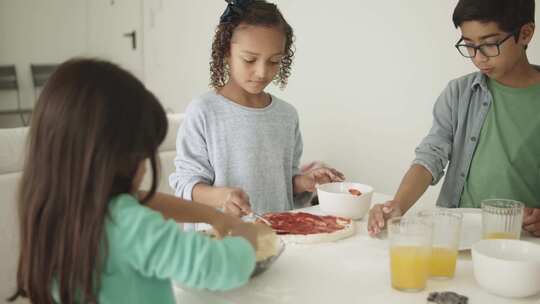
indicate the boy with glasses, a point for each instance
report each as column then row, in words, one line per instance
column 486, row 125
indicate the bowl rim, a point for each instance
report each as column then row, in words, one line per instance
column 263, row 265
column 321, row 187
column 475, row 249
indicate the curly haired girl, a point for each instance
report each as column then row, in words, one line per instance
column 239, row 147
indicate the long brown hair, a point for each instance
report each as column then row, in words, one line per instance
column 92, row 126
column 258, row 13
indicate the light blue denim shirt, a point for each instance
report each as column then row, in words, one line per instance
column 458, row 117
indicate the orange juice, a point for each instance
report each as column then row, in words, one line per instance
column 501, row 235
column 409, row 267
column 442, row 262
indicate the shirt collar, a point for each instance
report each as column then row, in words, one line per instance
column 480, row 80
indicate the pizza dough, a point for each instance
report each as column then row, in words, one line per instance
column 267, row 242
column 346, row 232
column 307, row 228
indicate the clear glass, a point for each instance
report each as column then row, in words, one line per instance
column 445, row 241
column 410, row 251
column 501, row 219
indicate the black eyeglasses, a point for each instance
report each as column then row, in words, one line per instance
column 487, row 49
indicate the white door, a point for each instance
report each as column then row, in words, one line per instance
column 115, row 33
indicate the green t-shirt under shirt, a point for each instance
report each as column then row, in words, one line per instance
column 506, row 163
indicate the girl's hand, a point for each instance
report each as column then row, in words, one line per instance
column 531, row 221
column 308, row 181
column 326, row 175
column 247, row 231
column 380, row 214
column 224, row 223
column 236, row 202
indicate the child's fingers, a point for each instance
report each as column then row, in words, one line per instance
column 224, row 224
column 373, row 229
column 330, row 175
column 245, row 197
column 531, row 216
column 241, row 200
column 372, row 226
column 379, row 217
column 333, row 174
column 219, row 235
column 324, row 175
column 531, row 221
column 310, row 185
column 338, row 176
column 247, row 231
column 243, row 204
column 307, row 182
column 232, row 209
column 533, row 228
column 220, row 231
column 376, row 220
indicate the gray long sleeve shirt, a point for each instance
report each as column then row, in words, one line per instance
column 222, row 143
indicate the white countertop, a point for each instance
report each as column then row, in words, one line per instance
column 353, row 270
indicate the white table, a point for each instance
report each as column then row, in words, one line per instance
column 354, row 270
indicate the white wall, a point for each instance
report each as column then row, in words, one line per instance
column 177, row 40
column 37, row 32
column 364, row 81
column 52, row 31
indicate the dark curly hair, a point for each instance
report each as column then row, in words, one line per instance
column 259, row 13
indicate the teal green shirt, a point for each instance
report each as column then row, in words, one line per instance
column 146, row 252
column 506, row 163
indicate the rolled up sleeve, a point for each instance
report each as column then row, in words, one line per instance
column 435, row 149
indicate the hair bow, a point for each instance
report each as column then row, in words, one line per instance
column 234, row 9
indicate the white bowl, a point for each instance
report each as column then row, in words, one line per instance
column 508, row 268
column 335, row 199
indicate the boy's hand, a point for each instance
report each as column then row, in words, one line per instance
column 531, row 221
column 308, row 181
column 236, row 202
column 380, row 214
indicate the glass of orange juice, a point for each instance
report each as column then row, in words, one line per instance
column 501, row 219
column 445, row 241
column 410, row 250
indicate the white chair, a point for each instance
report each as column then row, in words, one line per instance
column 12, row 143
